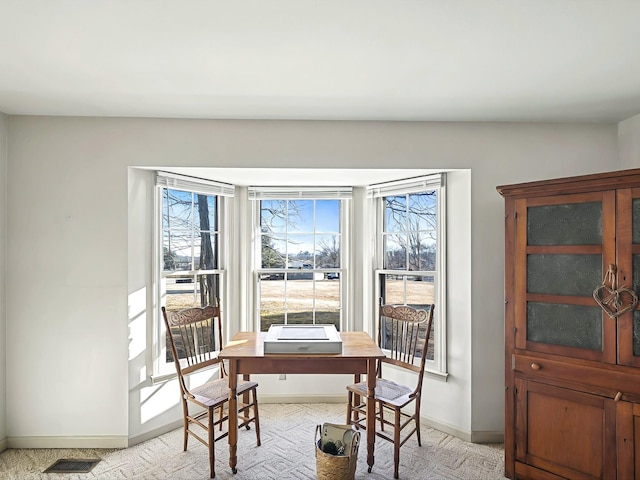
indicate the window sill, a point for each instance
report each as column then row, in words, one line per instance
column 436, row 375
column 162, row 378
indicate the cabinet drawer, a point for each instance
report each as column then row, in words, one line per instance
column 604, row 381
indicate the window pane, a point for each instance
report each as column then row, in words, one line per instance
column 300, row 298
column 393, row 289
column 328, row 301
column 206, row 259
column 414, row 291
column 186, row 291
column 177, row 250
column 207, row 290
column 420, row 291
column 274, row 251
column 410, row 243
column 189, row 242
column 273, row 216
column 184, row 245
column 327, row 216
column 327, row 251
column 205, row 212
column 395, row 213
column 178, row 212
column 422, row 211
column 272, row 301
column 300, row 248
column 301, row 216
column 308, row 238
column 422, row 251
column 179, row 292
column 395, row 253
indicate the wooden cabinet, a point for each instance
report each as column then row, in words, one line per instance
column 572, row 327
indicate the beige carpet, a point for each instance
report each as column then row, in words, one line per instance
column 287, row 452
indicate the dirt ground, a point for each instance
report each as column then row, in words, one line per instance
column 301, row 295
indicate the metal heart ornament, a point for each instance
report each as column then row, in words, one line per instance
column 615, row 302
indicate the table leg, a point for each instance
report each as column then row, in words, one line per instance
column 371, row 411
column 233, row 415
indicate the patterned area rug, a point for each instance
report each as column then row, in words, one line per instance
column 287, row 452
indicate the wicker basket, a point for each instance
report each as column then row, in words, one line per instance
column 337, row 467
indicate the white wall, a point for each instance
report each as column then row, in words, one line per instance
column 629, row 142
column 4, row 126
column 79, row 294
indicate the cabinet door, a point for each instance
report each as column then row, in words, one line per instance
column 628, row 231
column 628, row 440
column 564, row 432
column 564, row 244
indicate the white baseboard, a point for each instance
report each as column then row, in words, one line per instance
column 302, row 399
column 121, row 441
column 155, row 433
column 487, row 437
column 472, row 437
column 262, row 399
column 106, row 441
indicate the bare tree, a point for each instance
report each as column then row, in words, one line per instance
column 274, row 216
column 209, row 289
column 414, row 217
column 328, row 253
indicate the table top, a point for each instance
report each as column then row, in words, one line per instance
column 251, row 345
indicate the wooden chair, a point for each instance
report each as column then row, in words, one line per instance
column 404, row 332
column 197, row 334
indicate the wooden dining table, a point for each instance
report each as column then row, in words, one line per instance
column 245, row 356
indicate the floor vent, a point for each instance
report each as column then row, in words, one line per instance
column 72, row 465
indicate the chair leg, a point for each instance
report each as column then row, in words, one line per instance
column 211, row 432
column 396, row 444
column 416, row 419
column 256, row 416
column 220, row 415
column 185, row 414
column 349, row 404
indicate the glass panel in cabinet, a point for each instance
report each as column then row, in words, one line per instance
column 569, row 325
column 636, row 220
column 636, row 333
column 564, row 274
column 635, row 277
column 566, row 224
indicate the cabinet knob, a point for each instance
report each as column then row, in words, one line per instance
column 617, row 397
column 535, row 366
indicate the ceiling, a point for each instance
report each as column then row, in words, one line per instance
column 412, row 60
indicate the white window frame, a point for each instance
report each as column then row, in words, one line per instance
column 437, row 366
column 344, row 195
column 162, row 369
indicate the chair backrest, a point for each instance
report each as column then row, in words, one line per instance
column 404, row 333
column 195, row 336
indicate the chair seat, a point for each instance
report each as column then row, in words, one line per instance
column 217, row 391
column 386, row 391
